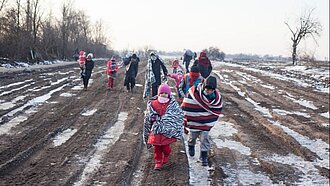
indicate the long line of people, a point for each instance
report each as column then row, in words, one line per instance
column 194, row 112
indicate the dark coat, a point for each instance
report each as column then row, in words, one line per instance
column 156, row 66
column 132, row 68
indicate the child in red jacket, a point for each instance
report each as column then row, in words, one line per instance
column 162, row 124
column 82, row 62
column 112, row 69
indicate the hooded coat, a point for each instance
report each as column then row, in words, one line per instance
column 204, row 65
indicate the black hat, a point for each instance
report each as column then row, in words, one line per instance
column 134, row 56
column 194, row 69
column 211, row 83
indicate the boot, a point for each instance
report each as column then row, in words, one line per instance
column 158, row 165
column 191, row 150
column 204, row 158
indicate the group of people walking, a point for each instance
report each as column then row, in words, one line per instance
column 194, row 111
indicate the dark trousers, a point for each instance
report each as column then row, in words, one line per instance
column 86, row 78
column 130, row 83
column 187, row 66
column 154, row 89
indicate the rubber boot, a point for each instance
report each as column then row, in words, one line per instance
column 191, row 150
column 204, row 158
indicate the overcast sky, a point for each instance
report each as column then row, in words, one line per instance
column 234, row 26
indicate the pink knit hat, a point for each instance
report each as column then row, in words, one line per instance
column 164, row 88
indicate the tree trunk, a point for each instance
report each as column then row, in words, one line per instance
column 294, row 53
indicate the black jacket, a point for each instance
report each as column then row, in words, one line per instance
column 89, row 65
column 132, row 67
column 156, row 65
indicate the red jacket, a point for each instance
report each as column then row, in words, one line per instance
column 160, row 139
column 112, row 67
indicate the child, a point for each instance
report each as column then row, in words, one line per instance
column 82, row 62
column 175, row 65
column 112, row 69
column 162, row 124
column 177, row 77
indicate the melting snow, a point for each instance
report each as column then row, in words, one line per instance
column 89, row 112
column 67, row 95
column 326, row 115
column 102, row 147
column 310, row 175
column 34, row 102
column 63, row 137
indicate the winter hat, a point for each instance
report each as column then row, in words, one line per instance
column 90, row 56
column 211, row 83
column 164, row 88
column 113, row 58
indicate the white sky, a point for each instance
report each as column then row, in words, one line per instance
column 235, row 26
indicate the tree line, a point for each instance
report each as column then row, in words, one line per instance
column 28, row 33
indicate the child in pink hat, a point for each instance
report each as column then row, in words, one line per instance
column 162, row 124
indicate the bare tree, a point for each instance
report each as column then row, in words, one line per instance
column 307, row 26
column 2, row 4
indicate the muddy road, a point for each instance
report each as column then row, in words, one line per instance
column 273, row 130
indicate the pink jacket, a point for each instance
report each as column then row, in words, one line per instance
column 177, row 78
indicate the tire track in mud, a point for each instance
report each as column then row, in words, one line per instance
column 259, row 134
column 71, row 120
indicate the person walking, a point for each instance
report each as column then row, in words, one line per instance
column 88, row 70
column 189, row 79
column 177, row 77
column 175, row 65
column 201, row 108
column 187, row 57
column 162, row 124
column 204, row 65
column 153, row 75
column 112, row 69
column 131, row 72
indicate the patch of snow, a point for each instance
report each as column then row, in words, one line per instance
column 11, row 104
column 5, row 128
column 317, row 146
column 89, row 112
column 104, row 143
column 63, row 137
column 310, row 174
column 326, row 114
column 34, row 102
column 67, row 94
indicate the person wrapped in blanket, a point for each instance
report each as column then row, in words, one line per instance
column 162, row 124
column 202, row 108
column 153, row 75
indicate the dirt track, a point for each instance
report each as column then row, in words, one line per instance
column 264, row 145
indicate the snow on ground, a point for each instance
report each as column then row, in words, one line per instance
column 63, row 137
column 318, row 73
column 317, row 146
column 221, row 134
column 102, row 146
column 5, row 128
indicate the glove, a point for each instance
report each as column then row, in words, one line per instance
column 185, row 130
